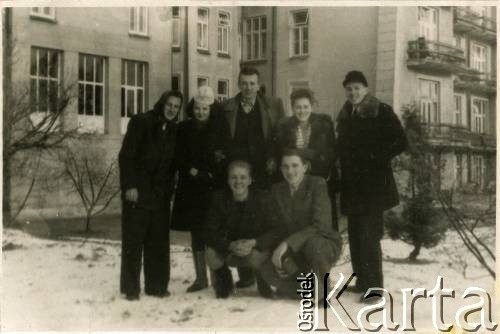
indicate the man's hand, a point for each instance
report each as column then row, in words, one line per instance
column 193, row 172
column 242, row 247
column 132, row 195
column 270, row 166
column 278, row 254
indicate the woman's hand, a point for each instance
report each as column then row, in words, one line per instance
column 193, row 172
column 278, row 254
column 132, row 195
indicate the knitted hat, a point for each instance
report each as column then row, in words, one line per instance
column 204, row 95
column 355, row 76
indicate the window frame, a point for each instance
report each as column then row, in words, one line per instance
column 220, row 33
column 41, row 15
column 474, row 59
column 179, row 78
column 251, row 35
column 38, row 77
column 478, row 119
column 134, row 27
column 222, row 97
column 429, row 115
column 424, row 27
column 92, row 122
column 202, row 26
column 462, row 113
column 202, row 77
column 125, row 88
column 300, row 27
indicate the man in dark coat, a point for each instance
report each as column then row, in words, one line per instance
column 146, row 183
column 369, row 136
column 249, row 133
column 234, row 221
column 301, row 238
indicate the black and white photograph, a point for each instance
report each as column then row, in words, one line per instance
column 239, row 165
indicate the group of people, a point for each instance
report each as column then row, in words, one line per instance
column 257, row 190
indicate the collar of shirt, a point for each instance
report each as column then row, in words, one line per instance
column 248, row 103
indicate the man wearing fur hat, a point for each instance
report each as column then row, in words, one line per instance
column 370, row 135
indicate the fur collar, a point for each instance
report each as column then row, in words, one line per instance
column 368, row 108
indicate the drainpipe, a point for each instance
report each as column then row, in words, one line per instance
column 185, row 75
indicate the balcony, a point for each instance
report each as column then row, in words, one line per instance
column 454, row 136
column 435, row 57
column 476, row 82
column 479, row 27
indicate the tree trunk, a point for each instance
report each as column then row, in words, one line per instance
column 414, row 253
column 7, row 210
column 7, row 98
column 87, row 223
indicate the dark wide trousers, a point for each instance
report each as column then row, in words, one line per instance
column 365, row 232
column 145, row 231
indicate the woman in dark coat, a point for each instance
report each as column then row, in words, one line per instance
column 313, row 133
column 370, row 135
column 196, row 164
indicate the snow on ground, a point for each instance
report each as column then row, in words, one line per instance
column 72, row 285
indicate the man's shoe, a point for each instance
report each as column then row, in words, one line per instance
column 132, row 297
column 264, row 288
column 158, row 294
column 197, row 286
column 354, row 289
column 247, row 278
column 370, row 300
column 223, row 284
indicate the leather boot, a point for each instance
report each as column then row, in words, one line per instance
column 200, row 267
column 263, row 287
column 246, row 276
column 223, row 282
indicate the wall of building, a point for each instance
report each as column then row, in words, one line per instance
column 95, row 31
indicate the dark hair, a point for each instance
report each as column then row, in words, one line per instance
column 302, row 93
column 248, row 71
column 304, row 155
column 190, row 109
column 240, row 163
column 160, row 104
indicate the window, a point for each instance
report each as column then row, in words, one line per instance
column 91, row 94
column 299, row 35
column 478, row 169
column 176, row 26
column 255, row 44
column 460, row 117
column 134, row 80
column 203, row 81
column 479, row 107
column 459, row 41
column 428, row 23
column 45, row 79
column 176, row 82
column 429, row 101
column 139, row 20
column 479, row 57
column 202, row 28
column 223, row 32
column 222, row 90
column 44, row 12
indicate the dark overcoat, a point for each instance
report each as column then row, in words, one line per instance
column 367, row 142
column 225, row 223
column 297, row 218
column 146, row 156
column 271, row 111
column 321, row 145
column 195, row 149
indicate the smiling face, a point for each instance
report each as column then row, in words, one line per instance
column 172, row 107
column 355, row 92
column 249, row 85
column 239, row 180
column 302, row 109
column 293, row 169
column 201, row 111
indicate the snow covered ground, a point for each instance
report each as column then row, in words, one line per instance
column 71, row 285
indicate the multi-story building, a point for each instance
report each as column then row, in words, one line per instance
column 205, row 49
column 117, row 59
column 442, row 59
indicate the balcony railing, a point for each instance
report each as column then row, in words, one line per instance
column 476, row 81
column 479, row 26
column 435, row 56
column 451, row 135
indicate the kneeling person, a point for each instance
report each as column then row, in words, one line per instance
column 234, row 221
column 301, row 238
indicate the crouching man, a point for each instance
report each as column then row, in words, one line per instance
column 301, row 238
column 234, row 221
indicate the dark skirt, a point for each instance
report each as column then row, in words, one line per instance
column 192, row 200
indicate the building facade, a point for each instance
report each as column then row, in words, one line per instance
column 441, row 59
